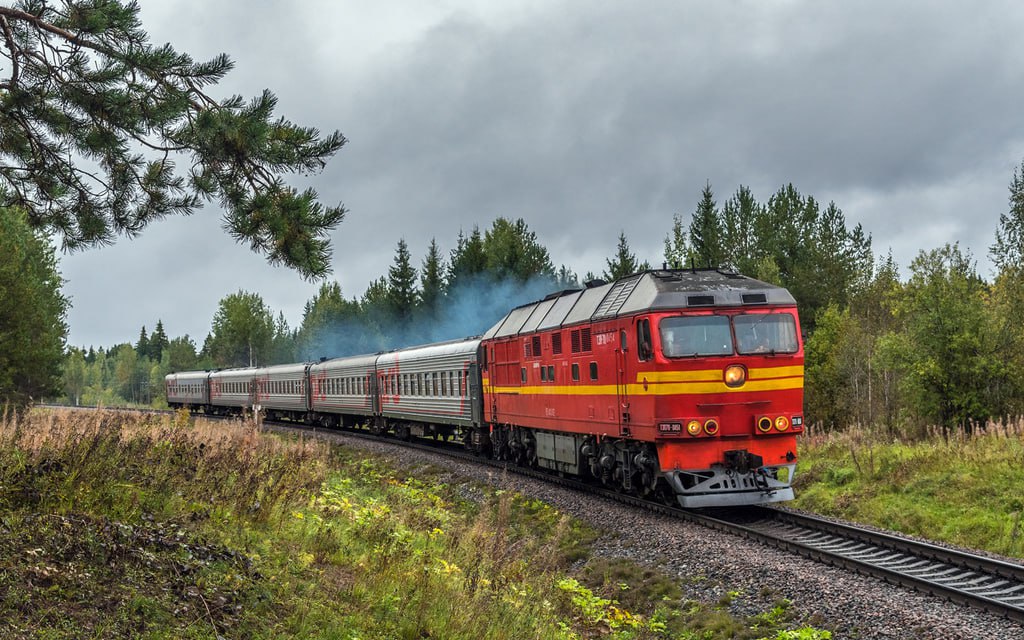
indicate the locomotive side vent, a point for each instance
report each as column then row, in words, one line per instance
column 574, row 338
column 700, row 301
column 556, row 343
column 535, row 341
column 755, row 298
column 585, row 339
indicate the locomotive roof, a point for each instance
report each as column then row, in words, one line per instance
column 645, row 291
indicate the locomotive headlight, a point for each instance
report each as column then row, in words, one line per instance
column 693, row 427
column 711, row 427
column 782, row 423
column 764, row 424
column 735, row 375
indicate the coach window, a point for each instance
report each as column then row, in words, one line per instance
column 575, row 372
column 543, row 374
column 551, row 373
column 593, row 371
column 522, row 374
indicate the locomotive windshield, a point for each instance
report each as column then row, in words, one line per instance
column 691, row 336
column 765, row 333
column 684, row 336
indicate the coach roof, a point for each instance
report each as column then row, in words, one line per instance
column 645, row 291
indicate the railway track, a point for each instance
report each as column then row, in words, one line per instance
column 961, row 577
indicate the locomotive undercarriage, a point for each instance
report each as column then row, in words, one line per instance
column 624, row 465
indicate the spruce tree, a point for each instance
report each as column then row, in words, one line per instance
column 158, row 342
column 402, row 292
column 142, row 346
column 1008, row 250
column 739, row 237
column 677, row 249
column 468, row 261
column 624, row 263
column 94, row 118
column 706, row 232
column 431, row 280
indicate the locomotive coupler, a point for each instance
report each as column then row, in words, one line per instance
column 742, row 461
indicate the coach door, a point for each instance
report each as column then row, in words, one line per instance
column 475, row 394
column 622, row 383
column 373, row 388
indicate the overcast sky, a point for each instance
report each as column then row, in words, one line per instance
column 585, row 119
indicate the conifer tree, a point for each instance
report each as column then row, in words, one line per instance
column 158, row 342
column 468, row 261
column 142, row 345
column 566, row 278
column 706, row 232
column 94, row 118
column 1008, row 250
column 677, row 249
column 402, row 291
column 431, row 280
column 32, row 313
column 739, row 238
column 624, row 263
column 513, row 253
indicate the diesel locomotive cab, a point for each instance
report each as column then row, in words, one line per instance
column 726, row 426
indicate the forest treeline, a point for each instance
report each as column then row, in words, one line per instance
column 936, row 346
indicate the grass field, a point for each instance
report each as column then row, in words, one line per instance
column 128, row 525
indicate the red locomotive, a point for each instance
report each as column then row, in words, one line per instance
column 685, row 382
column 685, row 385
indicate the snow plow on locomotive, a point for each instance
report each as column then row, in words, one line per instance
column 685, row 385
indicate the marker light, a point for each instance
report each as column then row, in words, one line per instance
column 735, row 375
column 693, row 427
column 711, row 427
column 782, row 423
column 764, row 424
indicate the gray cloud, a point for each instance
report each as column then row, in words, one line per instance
column 586, row 119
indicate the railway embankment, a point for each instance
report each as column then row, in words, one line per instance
column 132, row 525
